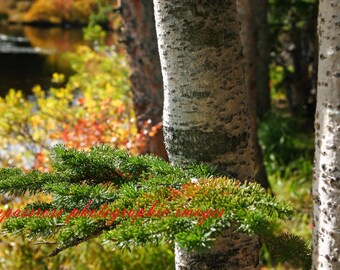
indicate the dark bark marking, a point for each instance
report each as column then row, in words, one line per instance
column 205, row 145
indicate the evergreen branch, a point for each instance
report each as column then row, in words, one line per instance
column 38, row 205
column 289, row 248
column 99, row 165
column 45, row 243
column 113, row 178
column 32, row 227
column 79, row 240
column 17, row 183
column 69, row 197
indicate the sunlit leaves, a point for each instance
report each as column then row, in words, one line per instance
column 58, row 11
column 93, row 107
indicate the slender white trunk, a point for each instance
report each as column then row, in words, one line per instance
column 326, row 184
column 205, row 108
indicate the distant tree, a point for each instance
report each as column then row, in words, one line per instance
column 293, row 47
column 260, row 13
column 205, row 110
column 326, row 184
column 252, row 64
column 146, row 77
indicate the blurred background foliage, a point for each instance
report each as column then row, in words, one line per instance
column 58, row 11
column 293, row 51
column 94, row 105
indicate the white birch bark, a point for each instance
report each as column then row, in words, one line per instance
column 326, row 183
column 205, row 114
column 231, row 251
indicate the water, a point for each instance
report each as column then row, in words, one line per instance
column 30, row 55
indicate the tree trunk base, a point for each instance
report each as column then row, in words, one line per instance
column 232, row 251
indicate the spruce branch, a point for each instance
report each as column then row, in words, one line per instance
column 45, row 243
column 289, row 248
column 122, row 183
column 76, row 241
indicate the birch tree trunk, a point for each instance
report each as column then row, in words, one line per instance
column 146, row 77
column 205, row 108
column 249, row 42
column 326, row 183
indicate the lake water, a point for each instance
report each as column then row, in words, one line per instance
column 29, row 55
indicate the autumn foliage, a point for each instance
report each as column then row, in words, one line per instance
column 93, row 107
column 58, row 11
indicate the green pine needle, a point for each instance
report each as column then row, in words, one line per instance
column 197, row 202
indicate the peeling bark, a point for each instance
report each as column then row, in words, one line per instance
column 205, row 107
column 326, row 182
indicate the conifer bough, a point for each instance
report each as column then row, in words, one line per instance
column 111, row 177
